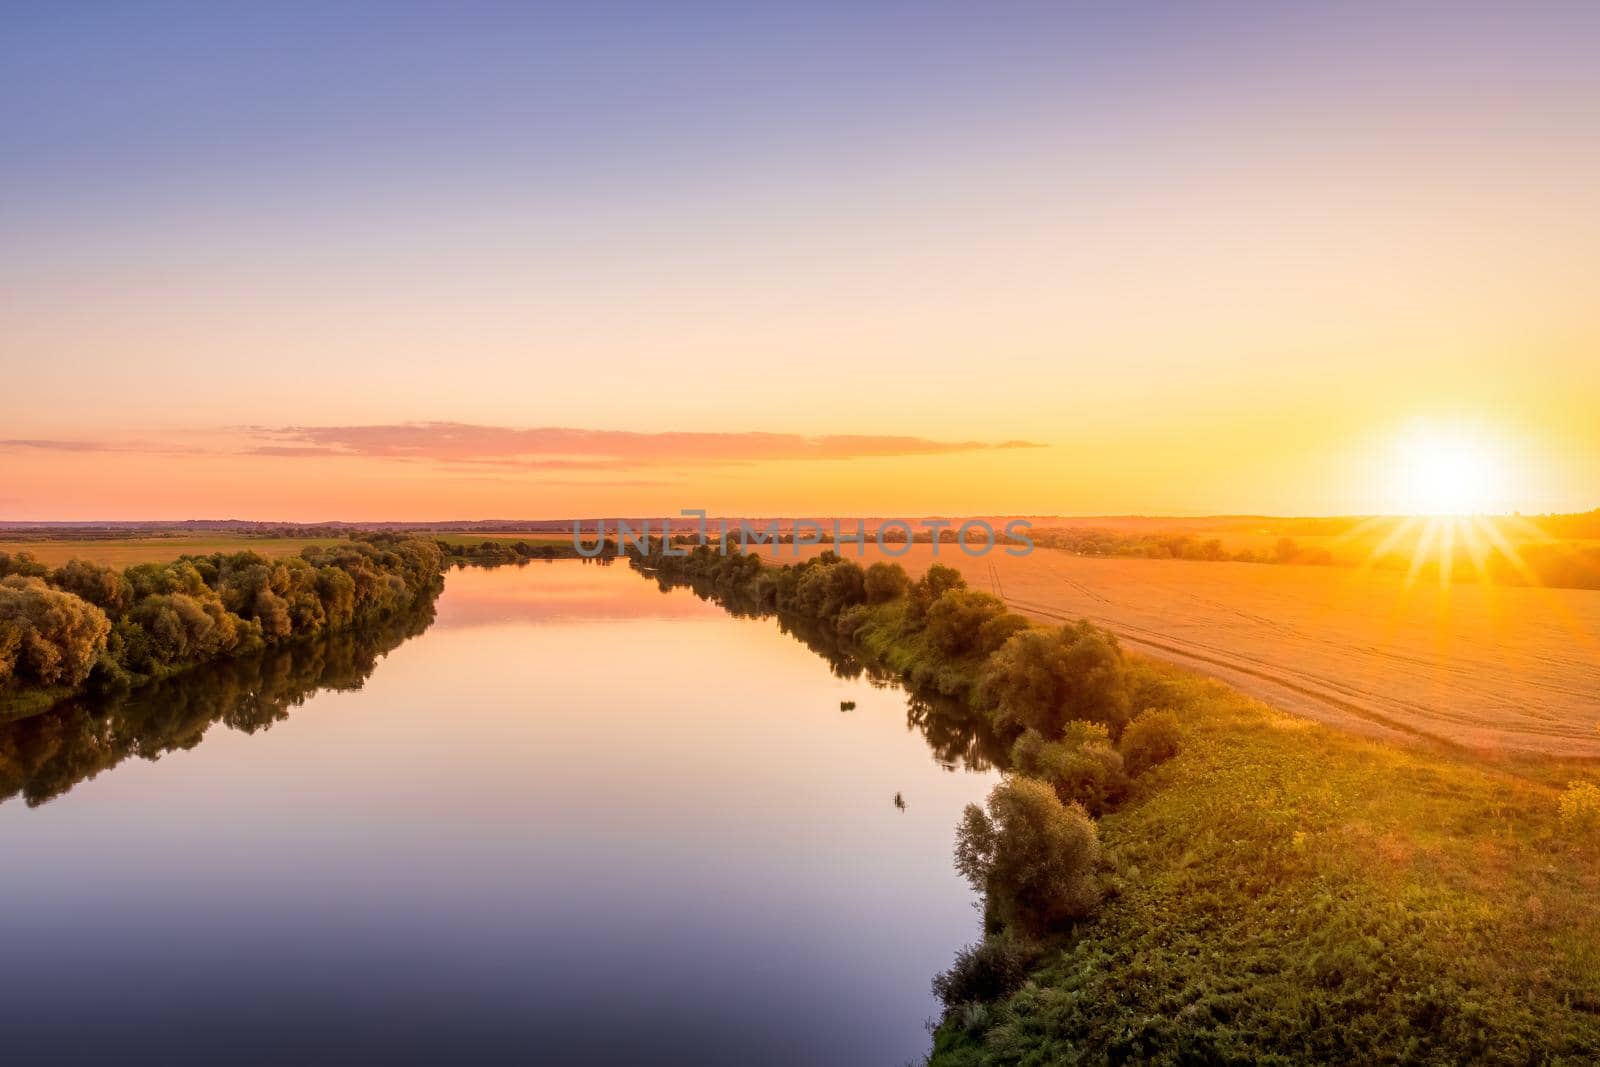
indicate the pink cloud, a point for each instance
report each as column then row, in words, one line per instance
column 575, row 449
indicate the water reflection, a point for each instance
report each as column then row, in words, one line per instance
column 43, row 757
column 960, row 740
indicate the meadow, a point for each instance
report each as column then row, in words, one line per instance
column 1283, row 891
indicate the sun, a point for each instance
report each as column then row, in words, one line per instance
column 1447, row 471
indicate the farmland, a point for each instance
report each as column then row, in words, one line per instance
column 1506, row 669
column 126, row 551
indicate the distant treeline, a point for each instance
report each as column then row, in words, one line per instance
column 1555, row 565
column 502, row 552
column 1090, row 541
column 88, row 626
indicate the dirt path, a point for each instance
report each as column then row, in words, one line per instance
column 1489, row 667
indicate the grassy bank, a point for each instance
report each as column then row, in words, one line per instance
column 1277, row 891
column 1283, row 891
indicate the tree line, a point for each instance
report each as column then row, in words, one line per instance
column 85, row 625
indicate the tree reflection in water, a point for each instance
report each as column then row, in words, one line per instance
column 44, row 756
column 960, row 739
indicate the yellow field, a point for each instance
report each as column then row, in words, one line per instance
column 1491, row 667
column 122, row 552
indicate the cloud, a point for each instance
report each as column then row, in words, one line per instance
column 64, row 445
column 563, row 448
column 291, row 450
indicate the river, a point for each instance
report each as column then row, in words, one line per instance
column 566, row 817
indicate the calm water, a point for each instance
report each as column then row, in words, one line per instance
column 575, row 819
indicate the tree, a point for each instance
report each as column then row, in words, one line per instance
column 1083, row 768
column 175, row 629
column 48, row 637
column 991, row 970
column 885, row 582
column 938, row 580
column 1043, row 679
column 826, row 587
column 998, row 630
column 957, row 618
column 1032, row 857
column 102, row 586
column 337, row 591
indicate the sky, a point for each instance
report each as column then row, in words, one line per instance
column 435, row 261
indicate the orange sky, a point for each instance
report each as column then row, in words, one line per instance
column 1193, row 273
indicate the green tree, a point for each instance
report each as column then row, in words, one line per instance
column 934, row 584
column 1043, row 679
column 1031, row 856
column 957, row 618
column 885, row 582
column 1082, row 767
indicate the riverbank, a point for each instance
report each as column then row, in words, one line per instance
column 1278, row 890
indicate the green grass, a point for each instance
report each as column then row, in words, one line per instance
column 1285, row 892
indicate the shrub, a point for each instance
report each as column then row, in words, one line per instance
column 885, row 582
column 991, row 970
column 1150, row 739
column 1043, row 679
column 1580, row 808
column 1031, row 856
column 851, row 619
column 958, row 617
column 1082, row 768
column 21, row 565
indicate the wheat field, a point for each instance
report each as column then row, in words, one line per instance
column 1514, row 669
